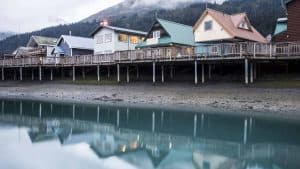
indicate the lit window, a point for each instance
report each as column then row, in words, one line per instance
column 156, row 34
column 123, row 37
column 100, row 39
column 208, row 25
column 108, row 38
column 134, row 39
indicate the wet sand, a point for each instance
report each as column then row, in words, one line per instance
column 222, row 96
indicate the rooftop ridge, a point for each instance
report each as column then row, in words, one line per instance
column 175, row 22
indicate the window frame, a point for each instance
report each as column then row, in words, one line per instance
column 108, row 38
column 208, row 25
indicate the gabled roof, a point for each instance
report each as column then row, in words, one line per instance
column 178, row 34
column 230, row 23
column 76, row 42
column 118, row 29
column 42, row 41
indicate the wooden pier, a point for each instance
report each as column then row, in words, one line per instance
column 243, row 53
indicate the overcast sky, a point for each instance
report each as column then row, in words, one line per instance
column 30, row 15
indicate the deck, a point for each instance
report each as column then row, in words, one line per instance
column 215, row 52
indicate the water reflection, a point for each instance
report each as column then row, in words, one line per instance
column 129, row 137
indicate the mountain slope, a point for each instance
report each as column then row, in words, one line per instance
column 262, row 13
column 4, row 35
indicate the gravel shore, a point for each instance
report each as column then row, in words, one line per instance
column 236, row 97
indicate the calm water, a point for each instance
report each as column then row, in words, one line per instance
column 40, row 135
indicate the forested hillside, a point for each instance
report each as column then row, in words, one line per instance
column 262, row 13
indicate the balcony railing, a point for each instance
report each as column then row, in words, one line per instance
column 224, row 50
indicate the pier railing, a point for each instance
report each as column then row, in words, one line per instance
column 225, row 50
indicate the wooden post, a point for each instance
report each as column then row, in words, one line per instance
column 83, row 73
column 196, row 72
column 118, row 118
column 137, row 72
column 32, row 74
column 40, row 73
column 73, row 74
column 153, row 122
column 246, row 72
column 118, row 73
column 162, row 74
column 108, row 72
column 128, row 74
column 153, row 73
column 245, row 131
column 62, row 73
column 98, row 73
column 2, row 72
column 209, row 71
column 172, row 72
column 51, row 74
column 255, row 71
column 203, row 73
column 21, row 74
column 15, row 75
column 251, row 72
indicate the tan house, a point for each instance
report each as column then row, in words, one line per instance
column 215, row 26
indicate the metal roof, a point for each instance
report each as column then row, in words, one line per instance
column 118, row 29
column 179, row 34
column 76, row 42
column 281, row 26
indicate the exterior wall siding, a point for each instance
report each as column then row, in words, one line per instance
column 82, row 52
column 65, row 47
column 217, row 32
column 294, row 21
column 104, row 47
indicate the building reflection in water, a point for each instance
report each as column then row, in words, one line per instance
column 162, row 138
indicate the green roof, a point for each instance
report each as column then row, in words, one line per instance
column 179, row 34
column 281, row 26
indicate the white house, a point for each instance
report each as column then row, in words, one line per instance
column 215, row 26
column 109, row 39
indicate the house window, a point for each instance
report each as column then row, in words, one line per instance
column 208, row 25
column 156, row 34
column 134, row 39
column 100, row 39
column 123, row 37
column 108, row 38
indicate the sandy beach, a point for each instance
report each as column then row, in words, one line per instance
column 223, row 96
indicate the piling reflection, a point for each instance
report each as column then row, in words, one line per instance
column 159, row 137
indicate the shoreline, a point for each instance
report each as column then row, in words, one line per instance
column 223, row 98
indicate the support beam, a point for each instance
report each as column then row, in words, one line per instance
column 74, row 111
column 203, row 73
column 40, row 110
column 98, row 73
column 83, row 73
column 21, row 73
column 40, row 73
column 209, row 71
column 2, row 72
column 62, row 73
column 98, row 113
column 74, row 73
column 128, row 75
column 118, row 73
column 108, row 72
column 32, row 74
column 251, row 72
column 118, row 118
column 154, row 72
column 196, row 72
column 172, row 72
column 255, row 71
column 137, row 73
column 15, row 74
column 246, row 72
column 245, row 131
column 162, row 74
column 51, row 74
